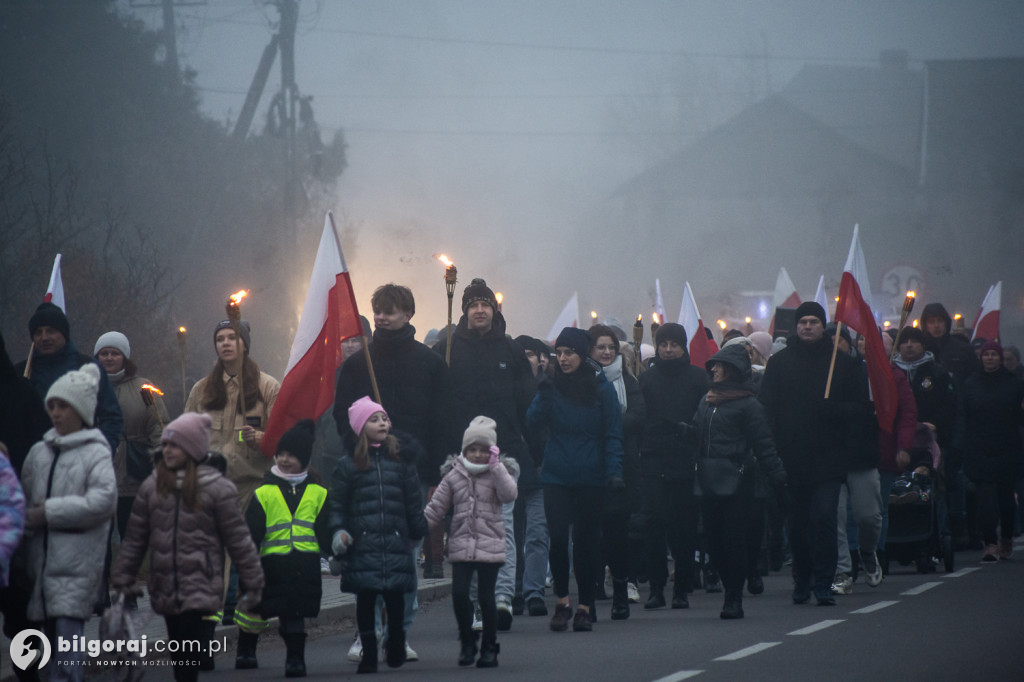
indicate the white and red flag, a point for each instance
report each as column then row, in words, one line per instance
column 701, row 348
column 785, row 296
column 328, row 316
column 853, row 310
column 55, row 290
column 569, row 317
column 987, row 325
column 659, row 302
column 819, row 296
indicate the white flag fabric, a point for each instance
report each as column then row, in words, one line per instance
column 700, row 347
column 55, row 289
column 659, row 302
column 819, row 296
column 785, row 296
column 987, row 325
column 569, row 317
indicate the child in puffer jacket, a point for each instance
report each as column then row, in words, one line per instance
column 476, row 482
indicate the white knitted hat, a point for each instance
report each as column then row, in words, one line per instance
column 481, row 430
column 115, row 340
column 78, row 388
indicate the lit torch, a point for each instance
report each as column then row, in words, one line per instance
column 908, row 305
column 182, row 337
column 593, row 317
column 450, row 277
column 234, row 311
column 499, row 297
column 655, row 326
column 638, row 338
column 958, row 323
column 147, row 391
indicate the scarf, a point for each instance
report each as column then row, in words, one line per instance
column 293, row 479
column 911, row 367
column 473, row 469
column 725, row 391
column 613, row 373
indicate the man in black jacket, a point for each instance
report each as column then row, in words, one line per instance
column 811, row 434
column 414, row 389
column 672, row 388
column 491, row 376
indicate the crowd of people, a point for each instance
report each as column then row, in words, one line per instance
column 517, row 462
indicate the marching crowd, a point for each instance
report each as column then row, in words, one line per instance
column 517, row 462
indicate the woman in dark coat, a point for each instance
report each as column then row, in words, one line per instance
column 582, row 458
column 991, row 414
column 733, row 436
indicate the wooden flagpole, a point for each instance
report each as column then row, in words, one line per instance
column 832, row 365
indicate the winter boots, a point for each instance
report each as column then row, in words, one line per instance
column 733, row 607
column 620, row 600
column 656, row 600
column 295, row 658
column 679, row 600
column 368, row 664
column 488, row 655
column 395, row 646
column 245, row 654
column 467, row 655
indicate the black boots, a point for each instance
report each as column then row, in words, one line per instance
column 656, row 600
column 395, row 646
column 467, row 655
column 620, row 600
column 733, row 607
column 368, row 664
column 295, row 658
column 679, row 600
column 488, row 655
column 245, row 655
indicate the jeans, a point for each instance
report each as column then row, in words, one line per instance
column 66, row 665
column 862, row 490
column 506, row 586
column 535, row 545
column 885, row 481
column 812, row 534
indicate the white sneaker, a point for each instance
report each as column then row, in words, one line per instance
column 872, row 570
column 504, row 614
column 843, row 584
column 478, row 619
column 410, row 653
column 325, row 566
column 355, row 652
column 632, row 593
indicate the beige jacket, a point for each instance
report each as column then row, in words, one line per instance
column 140, row 424
column 246, row 465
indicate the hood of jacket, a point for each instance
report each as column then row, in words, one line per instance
column 74, row 439
column 735, row 356
column 937, row 310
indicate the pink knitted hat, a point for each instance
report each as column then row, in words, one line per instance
column 360, row 412
column 191, row 433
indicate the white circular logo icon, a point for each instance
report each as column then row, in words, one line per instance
column 28, row 648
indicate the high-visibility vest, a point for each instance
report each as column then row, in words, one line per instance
column 285, row 532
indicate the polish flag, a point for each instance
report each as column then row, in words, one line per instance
column 569, row 317
column 328, row 316
column 659, row 302
column 854, row 311
column 819, row 296
column 987, row 325
column 785, row 296
column 701, row 348
column 55, row 290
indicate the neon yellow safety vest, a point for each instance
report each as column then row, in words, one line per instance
column 285, row 532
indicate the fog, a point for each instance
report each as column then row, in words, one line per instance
column 515, row 137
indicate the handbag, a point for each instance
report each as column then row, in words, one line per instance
column 717, row 477
column 138, row 461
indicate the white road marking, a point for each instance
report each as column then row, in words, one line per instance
column 923, row 587
column 810, row 629
column 875, row 607
column 681, row 675
column 749, row 651
column 962, row 572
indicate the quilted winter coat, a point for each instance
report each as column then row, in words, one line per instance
column 478, row 529
column 73, row 476
column 186, row 547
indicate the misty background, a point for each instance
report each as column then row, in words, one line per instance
column 549, row 147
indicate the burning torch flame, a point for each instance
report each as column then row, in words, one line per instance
column 640, row 318
column 915, row 324
column 958, row 316
column 444, row 259
column 654, row 316
column 181, row 330
column 911, row 294
column 746, row 319
column 151, row 388
column 593, row 314
column 722, row 324
column 499, row 297
column 236, row 298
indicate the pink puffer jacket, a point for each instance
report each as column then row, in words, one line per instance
column 477, row 531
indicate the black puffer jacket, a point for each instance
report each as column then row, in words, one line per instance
column 382, row 509
column 672, row 389
column 293, row 582
column 989, row 429
column 23, row 419
column 491, row 376
column 730, row 422
column 414, row 390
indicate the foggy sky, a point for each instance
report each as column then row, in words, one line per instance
column 490, row 130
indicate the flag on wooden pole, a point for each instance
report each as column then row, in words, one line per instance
column 987, row 325
column 785, row 296
column 701, row 348
column 55, row 289
column 329, row 315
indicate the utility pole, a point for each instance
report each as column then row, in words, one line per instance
column 170, row 42
column 289, row 11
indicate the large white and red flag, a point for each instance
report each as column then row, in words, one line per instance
column 569, row 317
column 820, row 297
column 701, row 348
column 328, row 316
column 987, row 325
column 854, row 310
column 55, row 289
column 785, row 296
column 659, row 302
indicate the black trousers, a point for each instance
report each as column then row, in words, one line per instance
column 812, row 534
column 726, row 528
column 394, row 605
column 188, row 625
column 580, row 509
column 487, row 578
column 995, row 506
column 671, row 511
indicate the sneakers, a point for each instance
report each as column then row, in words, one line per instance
column 325, row 566
column 536, row 607
column 560, row 621
column 410, row 653
column 355, row 652
column 843, row 584
column 632, row 593
column 991, row 553
column 1005, row 548
column 581, row 621
column 872, row 570
column 478, row 619
column 504, row 614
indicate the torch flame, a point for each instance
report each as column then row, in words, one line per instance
column 747, row 319
column 722, row 324
column 499, row 297
column 444, row 259
column 593, row 314
column 915, row 323
column 958, row 316
column 640, row 318
column 911, row 294
column 654, row 316
column 152, row 389
column 181, row 330
column 236, row 298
